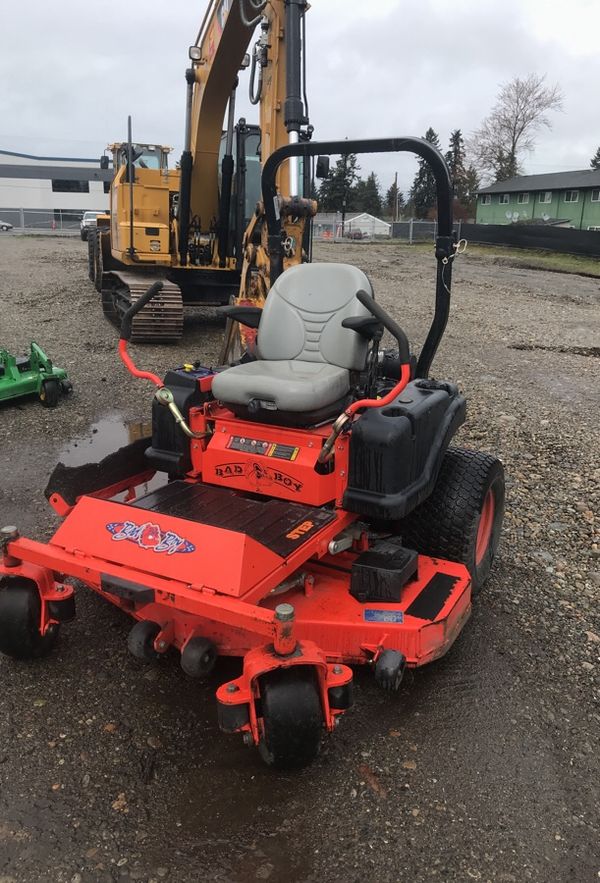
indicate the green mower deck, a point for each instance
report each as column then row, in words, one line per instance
column 32, row 374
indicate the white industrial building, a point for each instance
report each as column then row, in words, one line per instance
column 50, row 191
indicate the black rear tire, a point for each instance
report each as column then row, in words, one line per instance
column 50, row 393
column 20, row 616
column 292, row 717
column 462, row 519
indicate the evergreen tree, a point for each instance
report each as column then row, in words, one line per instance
column 337, row 189
column 366, row 196
column 595, row 160
column 455, row 157
column 422, row 192
column 394, row 201
column 505, row 165
column 472, row 183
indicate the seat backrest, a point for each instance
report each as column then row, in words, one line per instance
column 302, row 317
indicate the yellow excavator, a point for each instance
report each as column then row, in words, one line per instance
column 200, row 228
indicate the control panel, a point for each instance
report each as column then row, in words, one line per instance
column 263, row 448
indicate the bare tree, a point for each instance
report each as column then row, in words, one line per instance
column 510, row 130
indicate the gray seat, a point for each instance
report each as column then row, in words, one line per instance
column 305, row 356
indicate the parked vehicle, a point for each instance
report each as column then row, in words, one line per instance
column 5, row 226
column 88, row 222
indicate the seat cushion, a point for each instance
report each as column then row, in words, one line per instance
column 286, row 385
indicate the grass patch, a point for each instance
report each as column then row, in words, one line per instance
column 523, row 258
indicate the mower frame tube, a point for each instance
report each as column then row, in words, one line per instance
column 444, row 250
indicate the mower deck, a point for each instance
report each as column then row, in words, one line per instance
column 195, row 558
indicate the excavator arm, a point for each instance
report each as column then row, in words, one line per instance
column 217, row 56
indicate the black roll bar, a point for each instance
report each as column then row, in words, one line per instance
column 444, row 245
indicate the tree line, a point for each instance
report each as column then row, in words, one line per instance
column 345, row 190
column 494, row 152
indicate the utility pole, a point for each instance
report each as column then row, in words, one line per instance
column 395, row 214
column 344, row 194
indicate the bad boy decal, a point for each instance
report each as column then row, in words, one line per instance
column 150, row 536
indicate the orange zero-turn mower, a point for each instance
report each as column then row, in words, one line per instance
column 314, row 517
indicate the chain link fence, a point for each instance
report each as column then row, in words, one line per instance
column 27, row 220
column 419, row 231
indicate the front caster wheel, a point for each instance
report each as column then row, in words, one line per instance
column 389, row 669
column 198, row 657
column 141, row 638
column 20, row 618
column 292, row 717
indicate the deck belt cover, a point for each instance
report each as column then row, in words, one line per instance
column 274, row 523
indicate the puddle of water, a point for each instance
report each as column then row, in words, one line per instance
column 105, row 437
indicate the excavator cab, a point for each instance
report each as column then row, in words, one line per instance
column 245, row 191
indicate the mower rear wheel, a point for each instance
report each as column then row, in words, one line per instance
column 292, row 717
column 141, row 638
column 462, row 519
column 20, row 617
column 50, row 393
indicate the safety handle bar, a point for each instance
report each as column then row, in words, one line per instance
column 386, row 320
column 136, row 307
column 163, row 395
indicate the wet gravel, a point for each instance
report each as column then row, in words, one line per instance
column 485, row 765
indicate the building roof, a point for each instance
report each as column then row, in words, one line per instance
column 553, row 181
column 48, row 158
column 336, row 218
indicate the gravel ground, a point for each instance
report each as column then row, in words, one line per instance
column 485, row 765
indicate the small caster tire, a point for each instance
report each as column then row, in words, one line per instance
column 20, row 617
column 50, row 393
column 389, row 670
column 141, row 638
column 198, row 657
column 292, row 718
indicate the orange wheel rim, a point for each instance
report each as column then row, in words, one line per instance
column 486, row 522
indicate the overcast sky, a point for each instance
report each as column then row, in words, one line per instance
column 72, row 71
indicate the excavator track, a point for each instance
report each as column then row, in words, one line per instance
column 161, row 321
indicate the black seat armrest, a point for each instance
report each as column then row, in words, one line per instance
column 249, row 316
column 367, row 326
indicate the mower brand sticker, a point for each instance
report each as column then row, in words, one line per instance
column 150, row 536
column 374, row 615
column 258, row 475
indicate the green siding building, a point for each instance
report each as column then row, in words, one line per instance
column 566, row 199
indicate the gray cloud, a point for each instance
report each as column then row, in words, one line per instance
column 72, row 72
